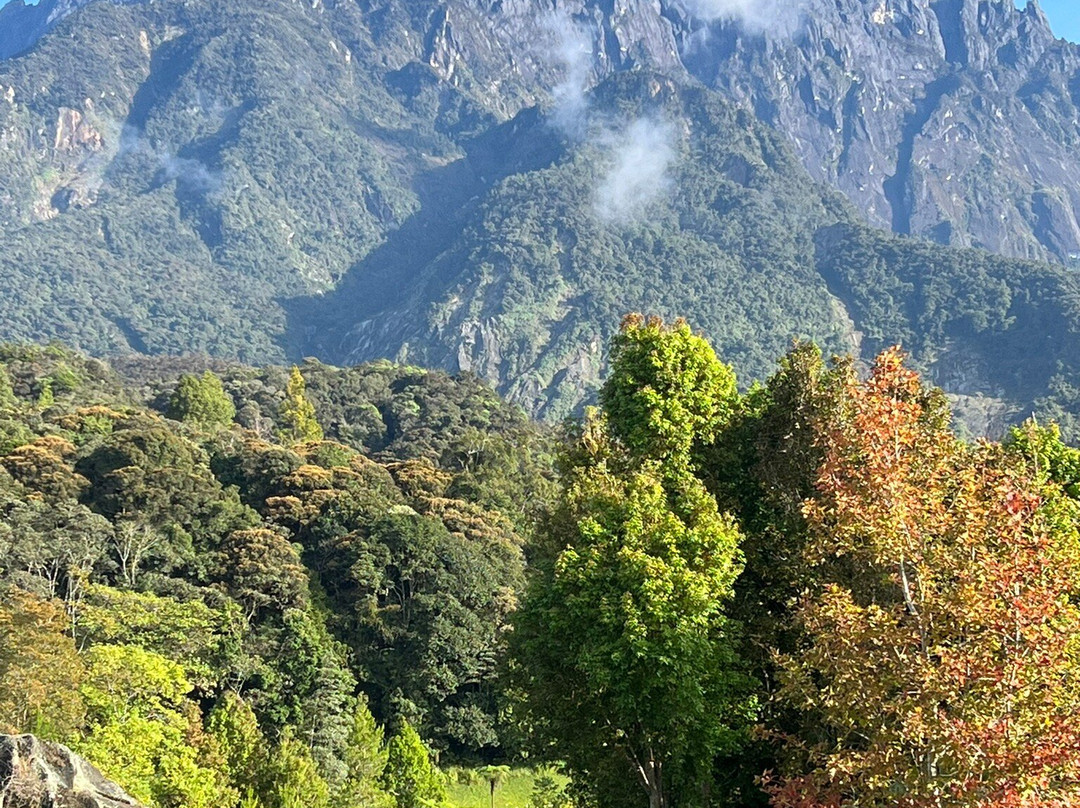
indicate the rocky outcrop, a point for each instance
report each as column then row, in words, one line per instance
column 957, row 120
column 950, row 119
column 38, row 774
column 23, row 23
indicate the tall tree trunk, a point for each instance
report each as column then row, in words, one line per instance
column 650, row 776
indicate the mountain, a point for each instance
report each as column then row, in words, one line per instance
column 489, row 187
column 955, row 120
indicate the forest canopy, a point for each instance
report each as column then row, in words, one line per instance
column 318, row 586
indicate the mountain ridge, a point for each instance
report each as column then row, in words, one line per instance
column 490, row 188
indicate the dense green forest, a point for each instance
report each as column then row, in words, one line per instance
column 317, row 586
column 234, row 598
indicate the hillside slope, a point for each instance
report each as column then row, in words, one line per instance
column 490, row 189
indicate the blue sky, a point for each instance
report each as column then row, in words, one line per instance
column 1064, row 16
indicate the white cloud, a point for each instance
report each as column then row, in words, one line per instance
column 777, row 16
column 640, row 157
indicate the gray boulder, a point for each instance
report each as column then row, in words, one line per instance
column 39, row 774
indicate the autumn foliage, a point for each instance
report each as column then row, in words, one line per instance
column 939, row 661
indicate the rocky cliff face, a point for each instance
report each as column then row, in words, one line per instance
column 22, row 24
column 956, row 120
column 489, row 185
column 37, row 774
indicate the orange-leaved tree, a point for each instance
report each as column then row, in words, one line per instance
column 940, row 664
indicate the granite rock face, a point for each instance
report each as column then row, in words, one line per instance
column 38, row 774
column 956, row 120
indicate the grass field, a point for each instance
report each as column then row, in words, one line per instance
column 514, row 792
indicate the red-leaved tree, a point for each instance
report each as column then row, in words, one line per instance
column 941, row 657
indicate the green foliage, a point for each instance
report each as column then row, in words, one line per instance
column 291, row 778
column 138, row 731
column 297, row 414
column 149, row 569
column 627, row 658
column 1050, row 458
column 193, row 567
column 241, row 744
column 410, row 776
column 203, row 640
column 40, row 671
column 45, row 397
column 7, row 393
column 622, row 640
column 262, row 570
column 548, row 793
column 666, row 391
column 365, row 757
column 201, row 400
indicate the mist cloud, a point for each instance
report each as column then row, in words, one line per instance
column 640, row 157
column 572, row 51
column 778, row 16
column 190, row 174
column 637, row 154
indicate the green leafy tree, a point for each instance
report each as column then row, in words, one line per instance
column 139, row 732
column 297, row 413
column 547, row 793
column 410, row 776
column 243, row 748
column 201, row 400
column 292, row 779
column 45, row 398
column 365, row 757
column 667, row 390
column 7, row 392
column 625, row 653
column 204, row 641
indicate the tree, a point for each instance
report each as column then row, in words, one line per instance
column 547, row 793
column 410, row 776
column 938, row 665
column 292, row 779
column 201, row 400
column 45, row 398
column 263, row 570
column 204, row 641
column 622, row 645
column 7, row 392
column 365, row 757
column 297, row 413
column 667, row 390
column 52, row 548
column 243, row 748
column 40, row 670
column 44, row 465
column 494, row 775
column 142, row 733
